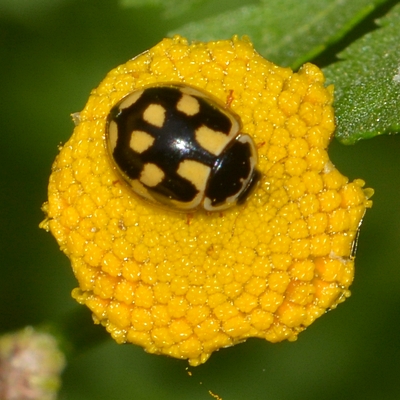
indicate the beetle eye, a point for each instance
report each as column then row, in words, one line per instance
column 234, row 176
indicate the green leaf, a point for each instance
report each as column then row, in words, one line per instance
column 367, row 83
column 288, row 32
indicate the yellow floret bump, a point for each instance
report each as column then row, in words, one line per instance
column 186, row 285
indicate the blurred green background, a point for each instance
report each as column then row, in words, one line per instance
column 52, row 53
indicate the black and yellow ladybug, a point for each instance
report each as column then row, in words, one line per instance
column 177, row 146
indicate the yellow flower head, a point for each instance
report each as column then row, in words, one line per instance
column 187, row 285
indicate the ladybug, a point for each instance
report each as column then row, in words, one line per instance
column 178, row 147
